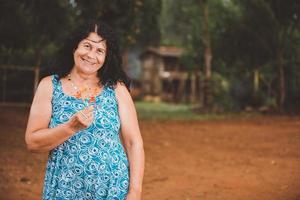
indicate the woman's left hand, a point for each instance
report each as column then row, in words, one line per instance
column 134, row 196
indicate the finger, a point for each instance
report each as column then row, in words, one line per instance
column 90, row 112
column 80, row 118
column 89, row 115
column 83, row 114
column 85, row 117
column 87, row 110
column 87, row 122
column 91, row 108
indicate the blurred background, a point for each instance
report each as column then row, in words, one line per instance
column 216, row 85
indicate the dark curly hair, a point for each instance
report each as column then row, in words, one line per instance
column 111, row 72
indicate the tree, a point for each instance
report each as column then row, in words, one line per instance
column 208, row 98
column 38, row 24
column 132, row 19
column 192, row 24
column 35, row 25
column 48, row 21
column 263, row 35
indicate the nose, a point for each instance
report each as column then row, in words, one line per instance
column 91, row 54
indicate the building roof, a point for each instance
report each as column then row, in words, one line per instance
column 164, row 51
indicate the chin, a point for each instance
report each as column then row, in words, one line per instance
column 89, row 69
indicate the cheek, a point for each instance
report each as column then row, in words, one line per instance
column 76, row 58
column 81, row 51
column 77, row 54
column 101, row 59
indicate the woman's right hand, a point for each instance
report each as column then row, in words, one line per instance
column 81, row 120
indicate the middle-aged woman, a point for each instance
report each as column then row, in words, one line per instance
column 84, row 115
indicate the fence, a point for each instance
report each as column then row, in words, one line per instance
column 16, row 85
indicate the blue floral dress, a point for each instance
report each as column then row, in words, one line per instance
column 92, row 164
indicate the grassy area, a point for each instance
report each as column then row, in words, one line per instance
column 168, row 111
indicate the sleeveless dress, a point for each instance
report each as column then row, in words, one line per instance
column 91, row 164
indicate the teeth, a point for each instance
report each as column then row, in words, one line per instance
column 87, row 61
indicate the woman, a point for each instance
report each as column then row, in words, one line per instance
column 85, row 117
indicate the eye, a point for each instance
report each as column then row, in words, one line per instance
column 100, row 51
column 87, row 46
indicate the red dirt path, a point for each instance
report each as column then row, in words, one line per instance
column 233, row 159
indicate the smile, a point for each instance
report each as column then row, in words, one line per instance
column 88, row 61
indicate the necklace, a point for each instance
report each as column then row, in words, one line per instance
column 85, row 93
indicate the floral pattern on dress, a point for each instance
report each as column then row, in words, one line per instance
column 91, row 164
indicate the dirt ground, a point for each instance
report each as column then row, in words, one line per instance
column 232, row 159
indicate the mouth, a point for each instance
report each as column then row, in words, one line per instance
column 87, row 61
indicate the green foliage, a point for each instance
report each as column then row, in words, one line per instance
column 245, row 36
column 37, row 27
column 177, row 20
column 13, row 25
column 166, row 111
column 182, row 25
column 146, row 23
column 293, row 87
column 222, row 93
column 189, row 61
column 255, row 34
column 132, row 19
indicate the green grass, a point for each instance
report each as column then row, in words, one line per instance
column 168, row 111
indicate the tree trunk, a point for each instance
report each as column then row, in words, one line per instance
column 281, row 79
column 181, row 87
column 193, row 88
column 255, row 82
column 37, row 69
column 255, row 98
column 125, row 55
column 208, row 98
column 4, row 81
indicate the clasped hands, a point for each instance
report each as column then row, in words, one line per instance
column 82, row 119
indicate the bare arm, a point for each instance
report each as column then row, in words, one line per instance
column 40, row 138
column 132, row 140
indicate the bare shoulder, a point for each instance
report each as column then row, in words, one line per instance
column 40, row 111
column 122, row 92
column 45, row 87
column 46, row 82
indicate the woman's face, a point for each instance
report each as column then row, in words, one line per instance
column 90, row 54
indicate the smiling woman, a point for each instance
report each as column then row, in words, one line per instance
column 85, row 117
column 90, row 53
column 85, row 39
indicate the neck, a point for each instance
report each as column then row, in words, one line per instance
column 82, row 78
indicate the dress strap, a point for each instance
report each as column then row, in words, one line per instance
column 110, row 89
column 55, row 82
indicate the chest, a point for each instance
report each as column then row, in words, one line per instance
column 105, row 113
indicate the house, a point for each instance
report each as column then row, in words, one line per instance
column 164, row 77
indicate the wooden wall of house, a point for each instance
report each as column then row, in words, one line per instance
column 179, row 86
column 147, row 65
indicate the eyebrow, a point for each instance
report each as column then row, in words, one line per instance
column 95, row 41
